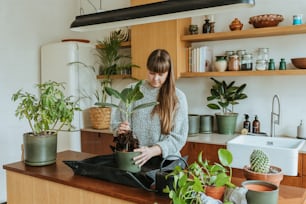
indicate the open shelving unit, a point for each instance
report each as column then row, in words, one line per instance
column 243, row 34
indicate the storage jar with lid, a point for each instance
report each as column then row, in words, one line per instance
column 260, row 65
column 246, row 62
column 263, row 54
column 234, row 64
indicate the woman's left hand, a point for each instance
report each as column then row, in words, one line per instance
column 146, row 154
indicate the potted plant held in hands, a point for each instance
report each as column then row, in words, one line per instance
column 127, row 142
column 47, row 114
column 227, row 96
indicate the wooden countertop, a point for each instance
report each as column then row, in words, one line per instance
column 60, row 173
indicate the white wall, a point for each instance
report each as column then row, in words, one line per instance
column 260, row 89
column 26, row 25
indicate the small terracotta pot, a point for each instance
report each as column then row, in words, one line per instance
column 215, row 192
column 274, row 178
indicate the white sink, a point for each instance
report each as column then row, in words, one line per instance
column 283, row 152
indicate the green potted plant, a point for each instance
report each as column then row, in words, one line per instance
column 110, row 62
column 47, row 114
column 125, row 143
column 226, row 96
column 200, row 177
column 260, row 168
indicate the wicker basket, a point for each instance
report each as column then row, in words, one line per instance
column 100, row 117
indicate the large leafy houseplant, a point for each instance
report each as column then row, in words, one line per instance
column 127, row 97
column 226, row 96
column 125, row 143
column 46, row 114
column 190, row 184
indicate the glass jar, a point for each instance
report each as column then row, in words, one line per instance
column 228, row 54
column 263, row 54
column 233, row 63
column 260, row 65
column 297, row 19
column 246, row 62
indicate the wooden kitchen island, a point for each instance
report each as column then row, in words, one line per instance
column 57, row 184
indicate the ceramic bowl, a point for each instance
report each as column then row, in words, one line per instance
column 266, row 20
column 299, row 62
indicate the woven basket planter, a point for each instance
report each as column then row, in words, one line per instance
column 100, row 117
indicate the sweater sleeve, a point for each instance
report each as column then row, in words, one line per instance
column 171, row 144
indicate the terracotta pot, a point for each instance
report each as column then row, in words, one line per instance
column 215, row 192
column 261, row 192
column 274, row 178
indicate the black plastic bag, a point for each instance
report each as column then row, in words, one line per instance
column 104, row 167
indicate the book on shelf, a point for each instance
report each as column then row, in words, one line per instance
column 200, row 59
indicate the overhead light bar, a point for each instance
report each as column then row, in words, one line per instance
column 154, row 12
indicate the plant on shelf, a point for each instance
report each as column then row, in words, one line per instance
column 127, row 142
column 226, row 96
column 46, row 114
column 110, row 62
column 189, row 184
column 260, row 168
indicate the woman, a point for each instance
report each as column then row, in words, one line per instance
column 161, row 130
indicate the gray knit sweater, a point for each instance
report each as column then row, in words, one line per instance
column 147, row 129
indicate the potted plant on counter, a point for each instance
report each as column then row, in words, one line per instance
column 260, row 168
column 125, row 143
column 47, row 114
column 226, row 96
column 201, row 176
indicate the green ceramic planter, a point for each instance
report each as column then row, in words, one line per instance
column 125, row 161
column 39, row 150
column 260, row 192
column 206, row 123
column 226, row 123
column 193, row 124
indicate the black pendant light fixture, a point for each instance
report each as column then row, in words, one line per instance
column 154, row 12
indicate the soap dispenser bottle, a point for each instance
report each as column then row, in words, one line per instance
column 300, row 131
column 256, row 125
column 247, row 123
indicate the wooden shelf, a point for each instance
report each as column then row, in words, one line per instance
column 250, row 33
column 117, row 76
column 126, row 44
column 245, row 73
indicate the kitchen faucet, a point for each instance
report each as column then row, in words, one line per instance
column 275, row 114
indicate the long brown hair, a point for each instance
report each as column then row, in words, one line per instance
column 159, row 61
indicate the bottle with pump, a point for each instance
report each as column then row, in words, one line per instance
column 247, row 123
column 300, row 131
column 256, row 125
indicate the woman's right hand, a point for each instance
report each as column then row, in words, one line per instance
column 123, row 127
